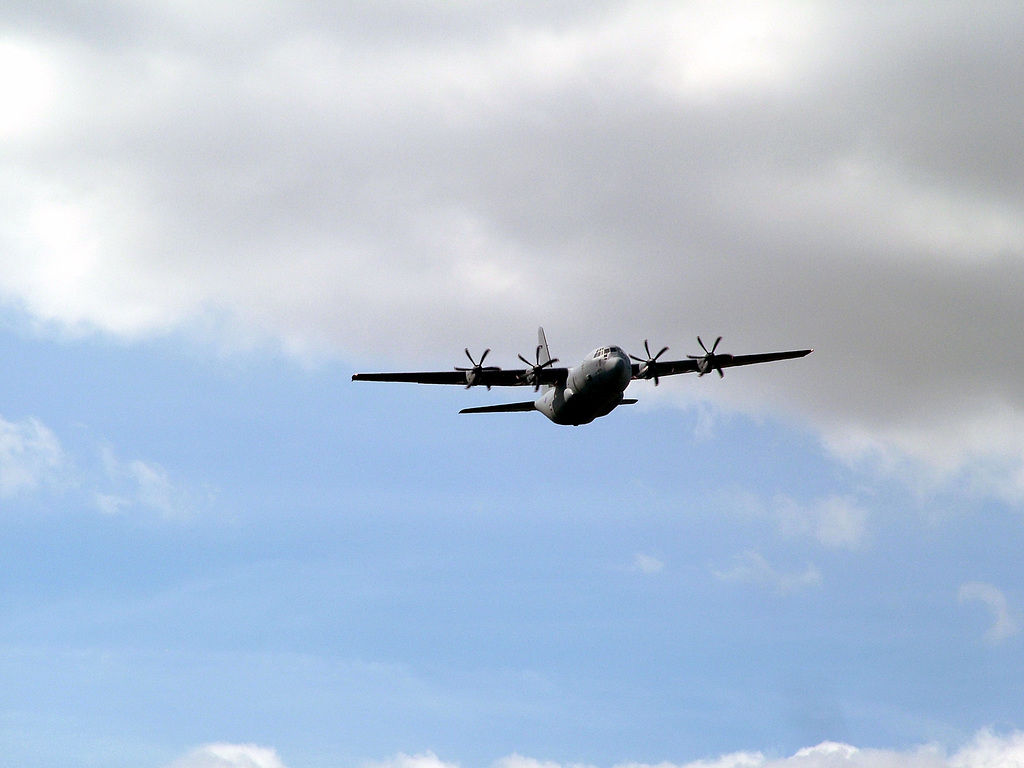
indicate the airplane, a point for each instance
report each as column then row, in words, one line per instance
column 578, row 395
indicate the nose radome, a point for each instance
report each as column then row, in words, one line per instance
column 621, row 366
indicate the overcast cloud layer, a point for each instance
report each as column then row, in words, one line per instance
column 389, row 182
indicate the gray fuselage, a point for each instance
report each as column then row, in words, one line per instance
column 592, row 389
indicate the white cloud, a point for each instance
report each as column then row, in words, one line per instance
column 1004, row 621
column 987, row 750
column 753, row 568
column 832, row 521
column 30, row 455
column 230, row 756
column 738, row 47
column 424, row 760
column 734, row 760
column 835, row 521
column 25, row 87
column 518, row 761
column 987, row 456
column 990, row 750
column 32, row 458
column 647, row 563
column 155, row 489
column 139, row 484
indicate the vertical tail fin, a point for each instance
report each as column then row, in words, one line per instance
column 543, row 355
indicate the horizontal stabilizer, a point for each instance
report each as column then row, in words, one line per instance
column 628, row 401
column 504, row 408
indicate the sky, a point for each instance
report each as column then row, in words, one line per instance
column 217, row 551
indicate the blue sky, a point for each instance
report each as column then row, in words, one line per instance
column 216, row 551
column 347, row 572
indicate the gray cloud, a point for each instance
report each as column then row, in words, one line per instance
column 392, row 176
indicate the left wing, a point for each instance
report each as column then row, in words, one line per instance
column 653, row 368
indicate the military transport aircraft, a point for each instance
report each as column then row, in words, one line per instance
column 578, row 395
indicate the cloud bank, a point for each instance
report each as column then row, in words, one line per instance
column 987, row 750
column 390, row 183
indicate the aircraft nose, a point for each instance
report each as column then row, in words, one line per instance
column 622, row 368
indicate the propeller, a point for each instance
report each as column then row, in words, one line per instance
column 532, row 376
column 648, row 367
column 477, row 369
column 709, row 360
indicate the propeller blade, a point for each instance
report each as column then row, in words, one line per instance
column 707, row 362
column 533, row 376
column 648, row 365
column 478, row 368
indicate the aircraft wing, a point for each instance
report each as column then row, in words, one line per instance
column 487, row 377
column 717, row 362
